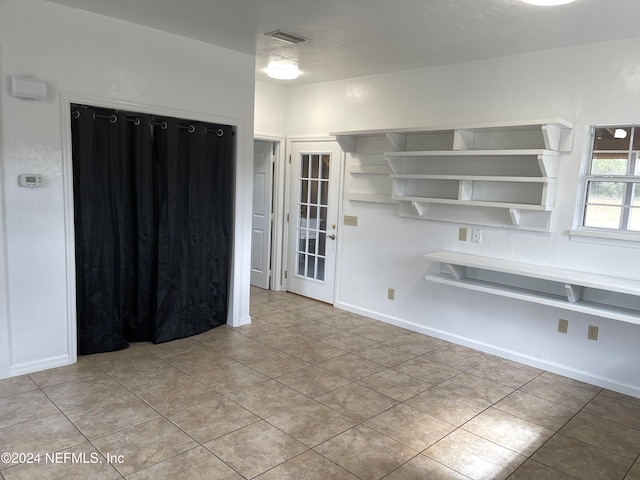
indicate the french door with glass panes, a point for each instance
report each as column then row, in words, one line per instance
column 313, row 219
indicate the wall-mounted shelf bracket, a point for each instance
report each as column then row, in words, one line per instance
column 574, row 292
column 347, row 143
column 515, row 215
column 398, row 141
column 456, row 271
column 418, row 208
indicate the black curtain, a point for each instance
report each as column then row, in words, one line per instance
column 153, row 216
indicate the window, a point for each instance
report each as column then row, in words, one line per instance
column 612, row 193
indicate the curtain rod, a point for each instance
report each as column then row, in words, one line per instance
column 136, row 121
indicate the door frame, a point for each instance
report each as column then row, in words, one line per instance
column 5, row 331
column 340, row 205
column 277, row 195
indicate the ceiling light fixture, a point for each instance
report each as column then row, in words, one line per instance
column 283, row 71
column 548, row 3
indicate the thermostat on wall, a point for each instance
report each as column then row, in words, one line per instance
column 31, row 180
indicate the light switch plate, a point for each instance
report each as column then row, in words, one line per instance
column 351, row 220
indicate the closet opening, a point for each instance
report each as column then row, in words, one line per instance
column 153, row 221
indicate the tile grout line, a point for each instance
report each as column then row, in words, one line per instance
column 635, row 462
column 161, row 415
column 360, row 423
column 557, row 432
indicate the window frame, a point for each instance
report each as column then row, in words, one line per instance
column 633, row 164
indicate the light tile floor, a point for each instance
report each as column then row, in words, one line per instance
column 310, row 392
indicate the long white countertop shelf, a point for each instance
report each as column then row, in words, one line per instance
column 568, row 289
column 472, row 153
column 473, row 178
column 590, row 308
column 614, row 284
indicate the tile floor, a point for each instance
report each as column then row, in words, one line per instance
column 310, row 392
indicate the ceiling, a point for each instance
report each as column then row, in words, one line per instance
column 350, row 38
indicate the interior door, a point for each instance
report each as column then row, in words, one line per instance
column 313, row 219
column 261, row 213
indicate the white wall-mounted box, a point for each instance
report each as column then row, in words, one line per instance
column 27, row 87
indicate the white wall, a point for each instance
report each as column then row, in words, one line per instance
column 91, row 56
column 584, row 85
column 269, row 110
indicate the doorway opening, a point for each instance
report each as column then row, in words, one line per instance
column 153, row 210
column 297, row 195
column 262, row 213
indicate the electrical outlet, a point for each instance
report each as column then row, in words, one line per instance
column 462, row 234
column 391, row 294
column 351, row 220
column 476, row 235
column 563, row 325
column 592, row 333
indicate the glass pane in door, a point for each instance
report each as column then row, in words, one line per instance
column 312, row 221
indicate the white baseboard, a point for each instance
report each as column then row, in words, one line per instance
column 246, row 320
column 45, row 364
column 552, row 367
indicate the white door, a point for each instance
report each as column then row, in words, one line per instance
column 261, row 213
column 313, row 219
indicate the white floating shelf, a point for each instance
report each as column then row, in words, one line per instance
column 472, row 203
column 481, row 178
column 593, row 294
column 370, row 169
column 471, row 153
column 370, row 197
column 555, row 134
column 463, row 174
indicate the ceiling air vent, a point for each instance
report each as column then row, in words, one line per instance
column 286, row 36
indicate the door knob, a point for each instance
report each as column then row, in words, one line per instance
column 332, row 237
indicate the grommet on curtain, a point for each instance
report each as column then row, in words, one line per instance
column 191, row 129
column 75, row 113
column 218, row 132
column 163, row 125
column 112, row 118
column 134, row 120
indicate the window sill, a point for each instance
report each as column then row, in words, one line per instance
column 606, row 238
